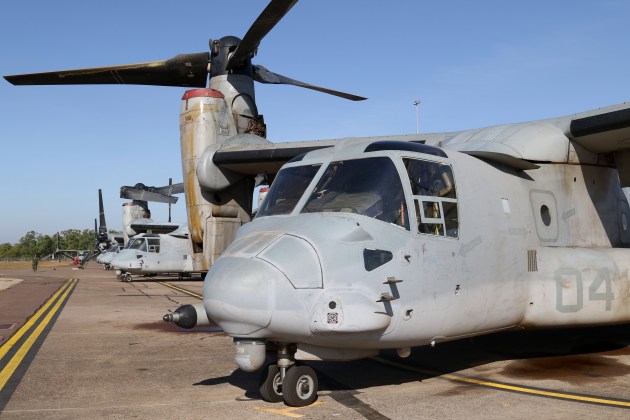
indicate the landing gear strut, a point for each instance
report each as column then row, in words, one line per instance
column 296, row 385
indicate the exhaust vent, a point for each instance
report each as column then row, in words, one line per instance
column 532, row 261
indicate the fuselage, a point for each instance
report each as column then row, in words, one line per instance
column 154, row 253
column 503, row 249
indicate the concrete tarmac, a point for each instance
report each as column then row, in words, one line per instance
column 107, row 354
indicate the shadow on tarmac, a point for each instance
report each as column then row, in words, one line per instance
column 578, row 356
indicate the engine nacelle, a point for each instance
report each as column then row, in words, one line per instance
column 214, row 178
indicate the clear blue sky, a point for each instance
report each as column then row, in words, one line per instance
column 471, row 63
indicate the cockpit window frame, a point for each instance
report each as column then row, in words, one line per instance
column 153, row 245
column 415, row 219
column 388, row 212
column 431, row 205
column 299, row 203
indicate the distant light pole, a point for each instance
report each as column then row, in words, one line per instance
column 416, row 103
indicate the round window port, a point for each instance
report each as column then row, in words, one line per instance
column 545, row 215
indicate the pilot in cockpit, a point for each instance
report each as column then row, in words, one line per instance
column 441, row 184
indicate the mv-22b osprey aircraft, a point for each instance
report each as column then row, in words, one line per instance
column 155, row 247
column 386, row 243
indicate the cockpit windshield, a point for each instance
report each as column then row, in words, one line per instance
column 370, row 187
column 139, row 243
column 287, row 189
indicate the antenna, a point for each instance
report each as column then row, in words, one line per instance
column 170, row 183
column 416, row 103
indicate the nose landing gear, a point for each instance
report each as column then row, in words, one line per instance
column 126, row 277
column 271, row 384
column 299, row 387
column 296, row 385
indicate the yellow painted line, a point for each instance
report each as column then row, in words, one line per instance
column 15, row 361
column 288, row 411
column 526, row 390
column 181, row 290
column 513, row 388
column 16, row 337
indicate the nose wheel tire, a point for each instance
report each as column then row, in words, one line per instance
column 271, row 384
column 299, row 387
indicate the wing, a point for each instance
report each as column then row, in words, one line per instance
column 604, row 130
column 522, row 146
column 577, row 138
column 267, row 158
column 150, row 226
column 246, row 156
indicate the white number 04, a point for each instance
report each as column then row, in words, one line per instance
column 572, row 274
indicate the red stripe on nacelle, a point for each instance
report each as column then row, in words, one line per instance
column 200, row 93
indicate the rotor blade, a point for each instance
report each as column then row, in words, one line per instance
column 96, row 234
column 132, row 193
column 170, row 189
column 269, row 17
column 262, row 75
column 187, row 70
column 101, row 211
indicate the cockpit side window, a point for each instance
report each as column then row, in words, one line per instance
column 369, row 186
column 434, row 196
column 139, row 243
column 287, row 189
column 154, row 244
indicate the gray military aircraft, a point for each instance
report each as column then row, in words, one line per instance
column 386, row 243
column 79, row 254
column 102, row 241
column 153, row 253
column 156, row 247
column 136, row 214
column 105, row 258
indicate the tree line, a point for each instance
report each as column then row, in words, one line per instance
column 36, row 244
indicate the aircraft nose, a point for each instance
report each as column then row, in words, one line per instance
column 249, row 297
column 124, row 262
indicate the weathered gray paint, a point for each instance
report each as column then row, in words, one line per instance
column 451, row 288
